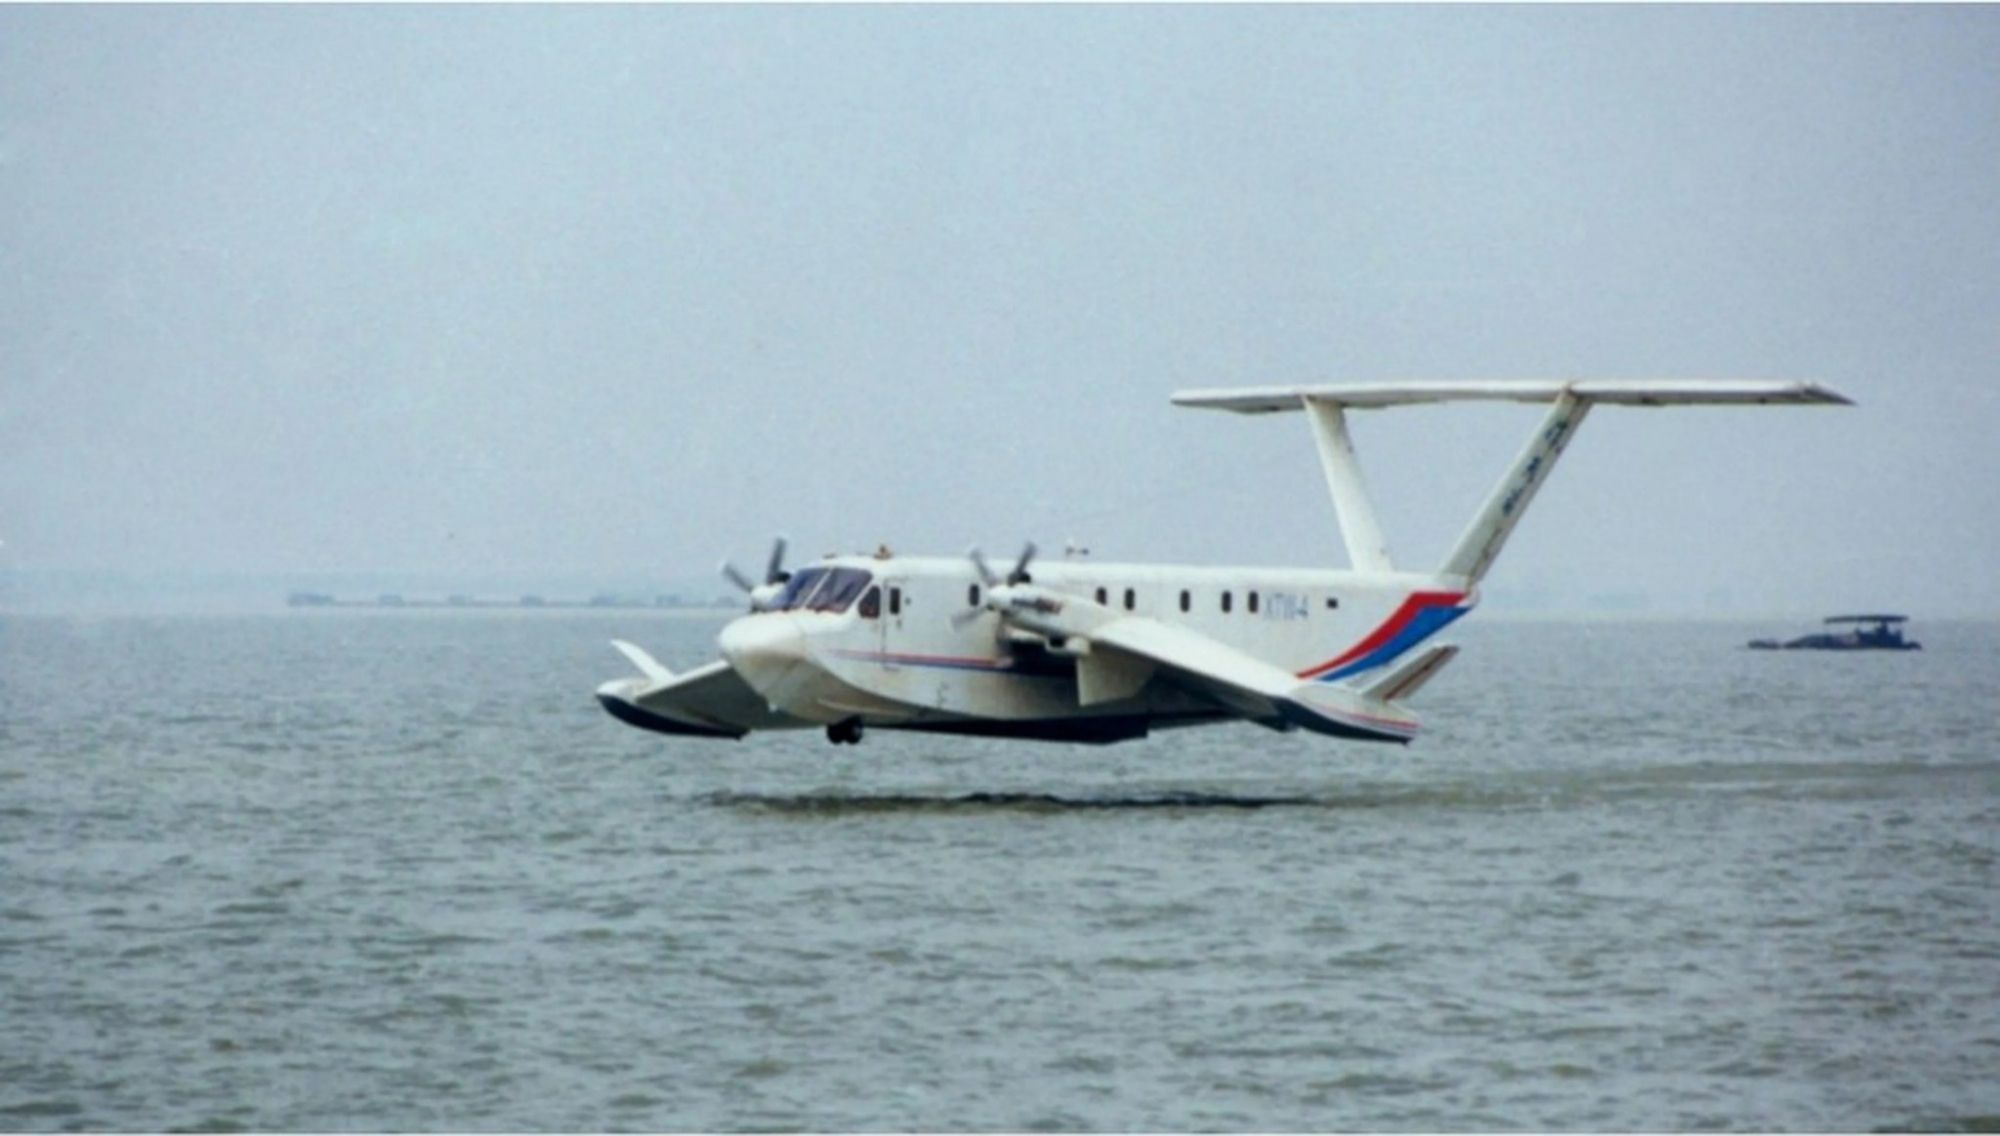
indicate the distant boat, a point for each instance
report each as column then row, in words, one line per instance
column 1869, row 633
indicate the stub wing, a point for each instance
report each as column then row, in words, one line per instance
column 1252, row 688
column 709, row 701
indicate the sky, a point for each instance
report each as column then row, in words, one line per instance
column 611, row 293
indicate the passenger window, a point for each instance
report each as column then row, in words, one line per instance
column 972, row 596
column 1130, row 599
column 1103, row 596
column 1186, row 600
column 1251, row 602
column 895, row 601
column 871, row 603
column 1225, row 603
column 1332, row 602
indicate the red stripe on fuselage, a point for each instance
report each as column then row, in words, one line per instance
column 1391, row 627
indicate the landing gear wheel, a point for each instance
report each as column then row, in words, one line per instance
column 845, row 733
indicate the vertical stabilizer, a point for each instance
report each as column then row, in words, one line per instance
column 1495, row 521
column 1367, row 548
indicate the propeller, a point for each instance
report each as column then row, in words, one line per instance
column 1017, row 575
column 1020, row 573
column 980, row 566
column 775, row 577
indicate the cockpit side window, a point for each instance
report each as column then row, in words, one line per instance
column 871, row 603
column 825, row 589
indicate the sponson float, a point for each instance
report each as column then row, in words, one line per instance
column 1076, row 650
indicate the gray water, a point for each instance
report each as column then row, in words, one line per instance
column 337, row 871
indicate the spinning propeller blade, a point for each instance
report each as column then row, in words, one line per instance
column 735, row 576
column 774, row 572
column 1017, row 575
column 774, row 575
column 1020, row 573
column 980, row 566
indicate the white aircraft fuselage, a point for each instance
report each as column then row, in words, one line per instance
column 1074, row 649
column 911, row 645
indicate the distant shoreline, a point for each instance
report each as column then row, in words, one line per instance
column 224, row 609
column 397, row 601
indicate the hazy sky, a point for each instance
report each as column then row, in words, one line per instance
column 620, row 291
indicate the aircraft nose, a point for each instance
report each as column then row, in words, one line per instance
column 763, row 649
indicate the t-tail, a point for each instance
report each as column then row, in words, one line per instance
column 1382, row 676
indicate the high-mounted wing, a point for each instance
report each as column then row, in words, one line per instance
column 709, row 701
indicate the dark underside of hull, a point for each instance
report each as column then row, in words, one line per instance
column 1096, row 730
column 633, row 716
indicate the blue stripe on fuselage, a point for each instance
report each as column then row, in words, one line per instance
column 1424, row 624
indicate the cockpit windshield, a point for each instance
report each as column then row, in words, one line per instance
column 822, row 589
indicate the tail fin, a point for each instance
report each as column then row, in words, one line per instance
column 1489, row 528
column 1495, row 521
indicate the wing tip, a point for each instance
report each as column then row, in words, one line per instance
column 649, row 666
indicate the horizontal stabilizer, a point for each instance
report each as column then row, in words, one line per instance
column 1411, row 674
column 1625, row 392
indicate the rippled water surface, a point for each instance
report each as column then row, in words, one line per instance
column 338, row 871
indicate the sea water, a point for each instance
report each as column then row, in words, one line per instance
column 339, row 870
